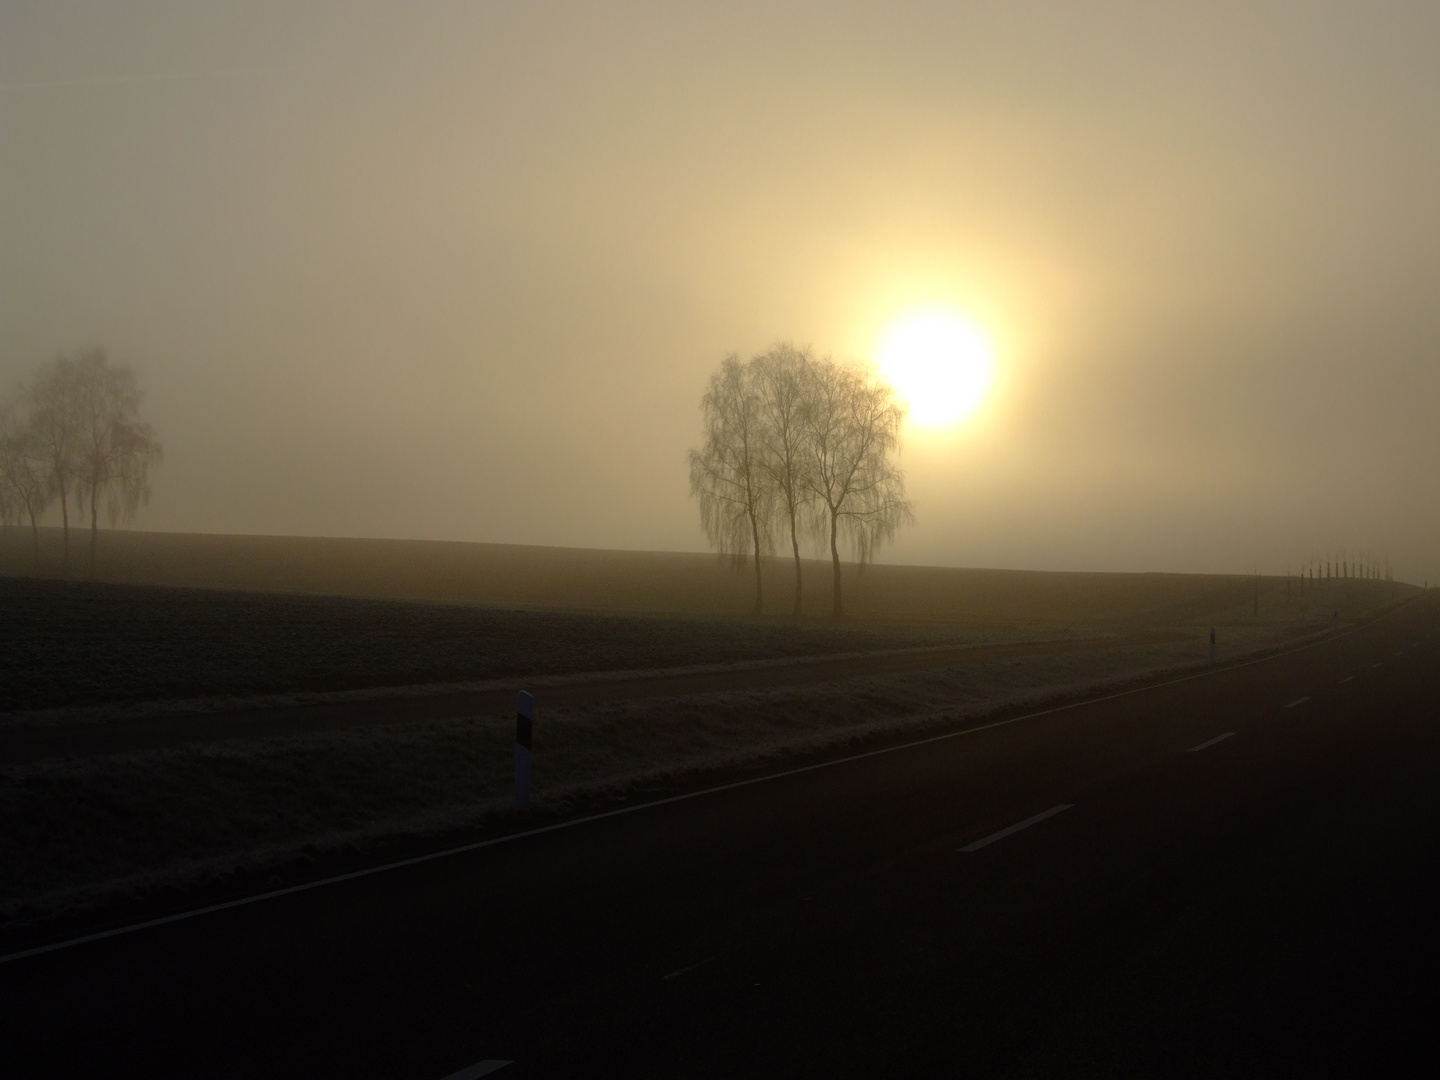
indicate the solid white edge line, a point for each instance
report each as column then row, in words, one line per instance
column 479, row 1069
column 275, row 894
column 1210, row 743
column 1012, row 829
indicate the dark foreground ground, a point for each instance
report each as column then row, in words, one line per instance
column 1260, row 905
column 182, row 743
column 68, row 643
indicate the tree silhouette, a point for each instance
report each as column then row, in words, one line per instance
column 781, row 378
column 113, row 447
column 25, row 485
column 53, row 420
column 728, row 474
column 852, row 427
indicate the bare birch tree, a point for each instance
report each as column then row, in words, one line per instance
column 728, row 473
column 51, row 398
column 113, row 448
column 852, row 428
column 25, row 487
column 780, row 379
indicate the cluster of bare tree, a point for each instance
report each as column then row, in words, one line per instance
column 801, row 445
column 75, row 435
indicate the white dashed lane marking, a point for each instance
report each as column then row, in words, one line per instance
column 479, row 1069
column 1212, row 742
column 1298, row 701
column 978, row 844
column 1348, row 678
column 686, row 970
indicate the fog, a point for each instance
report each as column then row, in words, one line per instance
column 461, row 270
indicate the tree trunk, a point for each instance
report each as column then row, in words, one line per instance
column 755, row 535
column 94, row 525
column 795, row 546
column 835, row 559
column 35, row 540
column 64, row 531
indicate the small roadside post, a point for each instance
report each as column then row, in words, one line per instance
column 524, row 728
column 1212, row 645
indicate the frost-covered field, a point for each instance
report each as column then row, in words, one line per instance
column 74, row 643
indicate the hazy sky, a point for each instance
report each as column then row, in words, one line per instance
column 461, row 270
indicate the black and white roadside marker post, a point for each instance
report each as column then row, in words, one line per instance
column 524, row 727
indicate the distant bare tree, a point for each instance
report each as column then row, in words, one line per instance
column 53, row 419
column 852, row 428
column 728, row 473
column 113, row 448
column 25, row 486
column 781, row 376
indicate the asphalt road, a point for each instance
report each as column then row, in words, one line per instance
column 1263, row 906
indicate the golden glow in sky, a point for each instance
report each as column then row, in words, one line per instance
column 940, row 365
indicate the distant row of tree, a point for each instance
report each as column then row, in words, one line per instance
column 803, row 446
column 74, row 435
column 1347, row 565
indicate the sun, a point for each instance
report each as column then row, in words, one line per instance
column 940, row 364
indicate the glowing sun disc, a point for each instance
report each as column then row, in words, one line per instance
column 939, row 364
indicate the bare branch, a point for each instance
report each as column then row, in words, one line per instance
column 780, row 376
column 727, row 474
column 852, row 430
